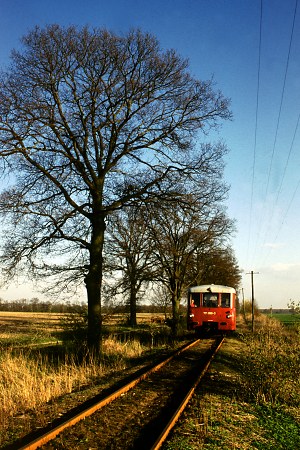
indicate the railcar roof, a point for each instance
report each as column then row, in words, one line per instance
column 212, row 288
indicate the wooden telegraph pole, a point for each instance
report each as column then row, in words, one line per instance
column 252, row 296
column 244, row 312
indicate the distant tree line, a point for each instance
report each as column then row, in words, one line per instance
column 275, row 311
column 41, row 306
column 36, row 305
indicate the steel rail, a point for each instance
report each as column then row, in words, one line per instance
column 51, row 434
column 164, row 434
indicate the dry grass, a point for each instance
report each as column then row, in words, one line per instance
column 26, row 382
column 30, row 320
column 129, row 349
column 271, row 363
column 251, row 395
column 24, row 328
column 36, row 384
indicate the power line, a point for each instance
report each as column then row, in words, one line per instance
column 281, row 100
column 256, row 125
column 283, row 220
column 288, row 159
column 275, row 140
column 279, row 191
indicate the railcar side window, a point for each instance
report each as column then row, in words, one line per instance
column 195, row 299
column 210, row 300
column 225, row 300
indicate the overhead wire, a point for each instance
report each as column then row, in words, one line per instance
column 255, row 128
column 275, row 141
column 279, row 191
column 287, row 160
column 281, row 100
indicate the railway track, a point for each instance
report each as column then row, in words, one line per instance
column 136, row 416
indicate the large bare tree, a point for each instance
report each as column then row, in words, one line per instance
column 89, row 122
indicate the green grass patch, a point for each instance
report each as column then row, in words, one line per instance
column 11, row 339
column 286, row 319
column 229, row 425
column 280, row 428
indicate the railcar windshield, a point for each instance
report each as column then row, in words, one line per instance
column 195, row 299
column 225, row 300
column 210, row 299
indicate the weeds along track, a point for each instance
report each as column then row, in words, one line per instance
column 138, row 415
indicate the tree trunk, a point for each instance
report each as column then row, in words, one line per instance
column 132, row 299
column 176, row 315
column 93, row 282
column 94, row 337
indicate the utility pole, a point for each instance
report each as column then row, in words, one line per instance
column 252, row 296
column 244, row 312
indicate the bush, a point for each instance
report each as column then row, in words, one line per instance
column 74, row 327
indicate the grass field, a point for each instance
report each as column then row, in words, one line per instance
column 286, row 319
column 250, row 398
column 32, row 328
column 34, row 376
column 25, row 328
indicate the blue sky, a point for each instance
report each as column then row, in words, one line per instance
column 221, row 39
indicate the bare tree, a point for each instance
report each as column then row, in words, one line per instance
column 89, row 123
column 216, row 264
column 129, row 251
column 161, row 299
column 294, row 306
column 179, row 234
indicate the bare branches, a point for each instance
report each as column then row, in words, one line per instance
column 91, row 122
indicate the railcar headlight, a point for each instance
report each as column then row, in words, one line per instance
column 191, row 315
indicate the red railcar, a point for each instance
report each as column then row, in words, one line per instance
column 211, row 307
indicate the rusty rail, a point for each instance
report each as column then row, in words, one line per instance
column 164, row 434
column 51, row 434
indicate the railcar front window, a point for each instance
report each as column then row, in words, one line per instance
column 225, row 300
column 210, row 300
column 195, row 299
